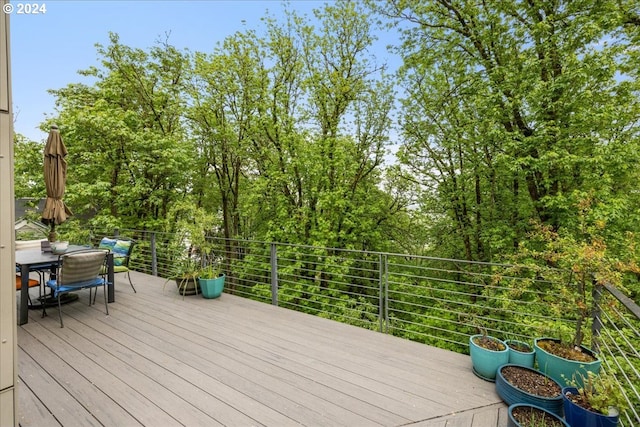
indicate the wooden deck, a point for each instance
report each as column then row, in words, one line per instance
column 159, row 360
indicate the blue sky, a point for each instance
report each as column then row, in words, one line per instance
column 48, row 49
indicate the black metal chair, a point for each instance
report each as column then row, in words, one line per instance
column 78, row 270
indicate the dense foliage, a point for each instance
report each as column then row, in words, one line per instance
column 511, row 117
column 518, row 110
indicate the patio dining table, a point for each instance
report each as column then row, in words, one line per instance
column 35, row 259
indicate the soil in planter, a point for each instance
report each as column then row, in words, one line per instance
column 523, row 348
column 580, row 400
column 533, row 417
column 489, row 343
column 565, row 350
column 530, row 381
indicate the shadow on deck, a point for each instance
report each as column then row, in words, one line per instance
column 159, row 360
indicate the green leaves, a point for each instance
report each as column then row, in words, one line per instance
column 127, row 146
column 511, row 107
column 28, row 169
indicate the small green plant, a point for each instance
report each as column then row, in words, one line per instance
column 210, row 271
column 485, row 341
column 599, row 393
column 534, row 417
column 519, row 346
column 516, row 343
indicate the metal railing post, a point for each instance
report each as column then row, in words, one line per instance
column 274, row 274
column 386, row 293
column 380, row 294
column 596, row 321
column 154, row 255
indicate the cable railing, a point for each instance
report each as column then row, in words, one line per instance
column 436, row 301
column 617, row 321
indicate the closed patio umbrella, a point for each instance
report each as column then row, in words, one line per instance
column 55, row 212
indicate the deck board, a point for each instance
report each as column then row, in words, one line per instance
column 159, row 359
column 37, row 413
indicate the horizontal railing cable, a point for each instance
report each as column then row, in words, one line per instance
column 437, row 301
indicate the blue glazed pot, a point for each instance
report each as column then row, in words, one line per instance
column 486, row 362
column 564, row 371
column 511, row 394
column 523, row 358
column 576, row 415
column 212, row 288
column 511, row 422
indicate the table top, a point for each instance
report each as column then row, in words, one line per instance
column 36, row 256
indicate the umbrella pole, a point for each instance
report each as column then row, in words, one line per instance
column 52, row 233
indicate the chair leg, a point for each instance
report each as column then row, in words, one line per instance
column 29, row 302
column 60, row 311
column 29, row 297
column 104, row 290
column 42, row 282
column 131, row 283
column 43, row 301
column 43, row 293
column 41, row 277
column 44, row 308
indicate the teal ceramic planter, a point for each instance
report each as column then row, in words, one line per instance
column 522, row 358
column 486, row 362
column 212, row 288
column 564, row 371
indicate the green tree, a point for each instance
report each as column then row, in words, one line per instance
column 225, row 93
column 323, row 132
column 514, row 110
column 28, row 172
column 127, row 144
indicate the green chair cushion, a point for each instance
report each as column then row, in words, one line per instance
column 116, row 269
column 120, row 249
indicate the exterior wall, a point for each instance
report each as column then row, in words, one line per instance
column 8, row 314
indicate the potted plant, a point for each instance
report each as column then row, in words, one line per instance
column 186, row 277
column 528, row 415
column 563, row 362
column 588, row 265
column 487, row 354
column 521, row 353
column 211, row 281
column 596, row 402
column 520, row 384
column 193, row 246
column 577, row 264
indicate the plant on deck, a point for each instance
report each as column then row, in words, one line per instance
column 578, row 265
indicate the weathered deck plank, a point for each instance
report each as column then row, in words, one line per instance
column 37, row 413
column 161, row 360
